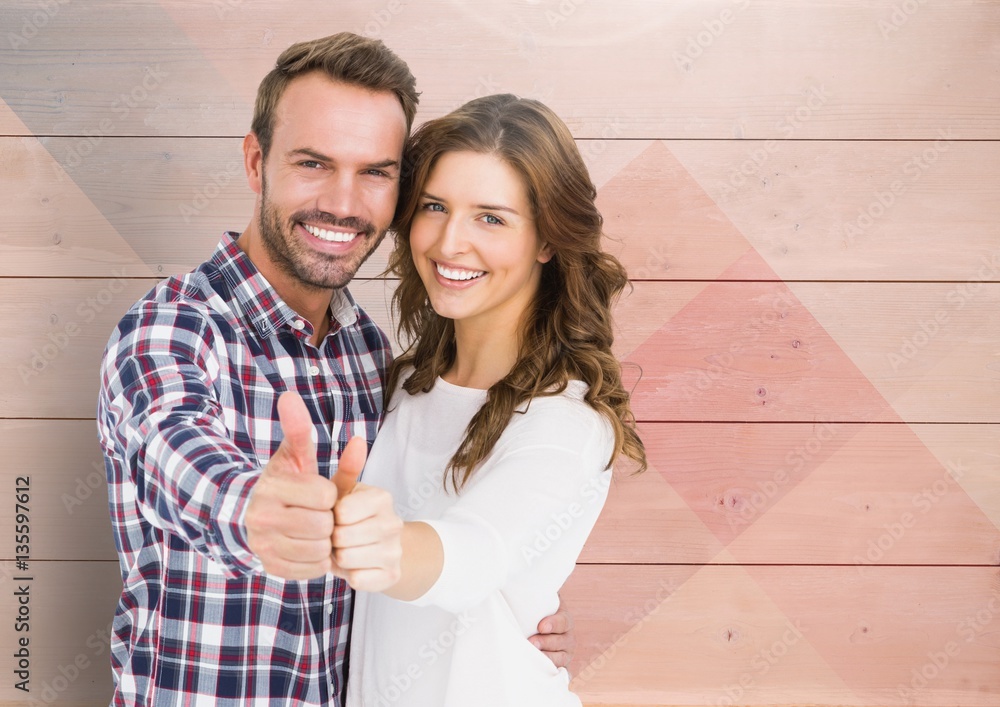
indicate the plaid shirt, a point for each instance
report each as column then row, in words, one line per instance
column 187, row 417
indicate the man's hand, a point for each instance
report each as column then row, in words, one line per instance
column 367, row 533
column 289, row 518
column 555, row 637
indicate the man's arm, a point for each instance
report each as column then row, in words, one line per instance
column 159, row 415
column 555, row 637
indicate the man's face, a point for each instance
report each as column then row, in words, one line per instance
column 331, row 179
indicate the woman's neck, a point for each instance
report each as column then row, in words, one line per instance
column 483, row 355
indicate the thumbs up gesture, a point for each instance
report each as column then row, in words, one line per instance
column 367, row 533
column 289, row 518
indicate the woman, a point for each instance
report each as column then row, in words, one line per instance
column 506, row 414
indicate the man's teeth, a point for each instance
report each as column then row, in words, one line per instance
column 450, row 274
column 335, row 236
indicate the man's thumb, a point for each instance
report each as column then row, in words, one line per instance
column 352, row 461
column 297, row 428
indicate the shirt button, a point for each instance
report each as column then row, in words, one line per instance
column 299, row 324
column 314, row 370
column 329, row 608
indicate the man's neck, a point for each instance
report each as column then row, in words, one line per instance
column 310, row 303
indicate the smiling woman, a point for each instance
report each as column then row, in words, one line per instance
column 506, row 414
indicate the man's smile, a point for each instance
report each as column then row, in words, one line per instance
column 332, row 235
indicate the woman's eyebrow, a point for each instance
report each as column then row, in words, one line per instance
column 497, row 207
column 485, row 207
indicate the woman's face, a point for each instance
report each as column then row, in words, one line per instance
column 474, row 242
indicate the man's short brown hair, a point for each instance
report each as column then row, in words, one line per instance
column 346, row 57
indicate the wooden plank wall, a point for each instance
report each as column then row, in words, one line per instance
column 805, row 194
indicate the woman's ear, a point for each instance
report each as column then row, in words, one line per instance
column 545, row 253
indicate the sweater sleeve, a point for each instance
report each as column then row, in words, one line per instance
column 529, row 510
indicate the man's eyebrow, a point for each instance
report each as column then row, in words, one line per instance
column 320, row 157
column 383, row 164
column 309, row 152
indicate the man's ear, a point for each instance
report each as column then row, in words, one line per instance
column 253, row 162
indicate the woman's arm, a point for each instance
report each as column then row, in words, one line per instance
column 423, row 558
column 533, row 509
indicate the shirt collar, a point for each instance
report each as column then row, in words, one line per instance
column 257, row 299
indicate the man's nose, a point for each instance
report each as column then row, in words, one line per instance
column 340, row 196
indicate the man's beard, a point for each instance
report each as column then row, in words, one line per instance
column 316, row 270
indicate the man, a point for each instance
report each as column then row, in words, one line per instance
column 221, row 496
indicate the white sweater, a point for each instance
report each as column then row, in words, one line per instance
column 511, row 537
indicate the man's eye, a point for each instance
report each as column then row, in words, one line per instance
column 378, row 173
column 311, row 164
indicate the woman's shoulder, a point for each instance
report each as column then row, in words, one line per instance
column 563, row 419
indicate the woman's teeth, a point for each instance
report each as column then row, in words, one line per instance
column 450, row 274
column 334, row 236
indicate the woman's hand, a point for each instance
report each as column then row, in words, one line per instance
column 367, row 534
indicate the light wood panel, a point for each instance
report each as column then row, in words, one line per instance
column 806, row 494
column 845, row 494
column 673, row 210
column 722, row 351
column 812, row 351
column 785, row 635
column 832, row 70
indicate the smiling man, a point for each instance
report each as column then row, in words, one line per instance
column 221, row 497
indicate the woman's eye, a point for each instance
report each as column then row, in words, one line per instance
column 433, row 206
column 493, row 220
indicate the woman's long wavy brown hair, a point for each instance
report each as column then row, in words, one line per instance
column 567, row 333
